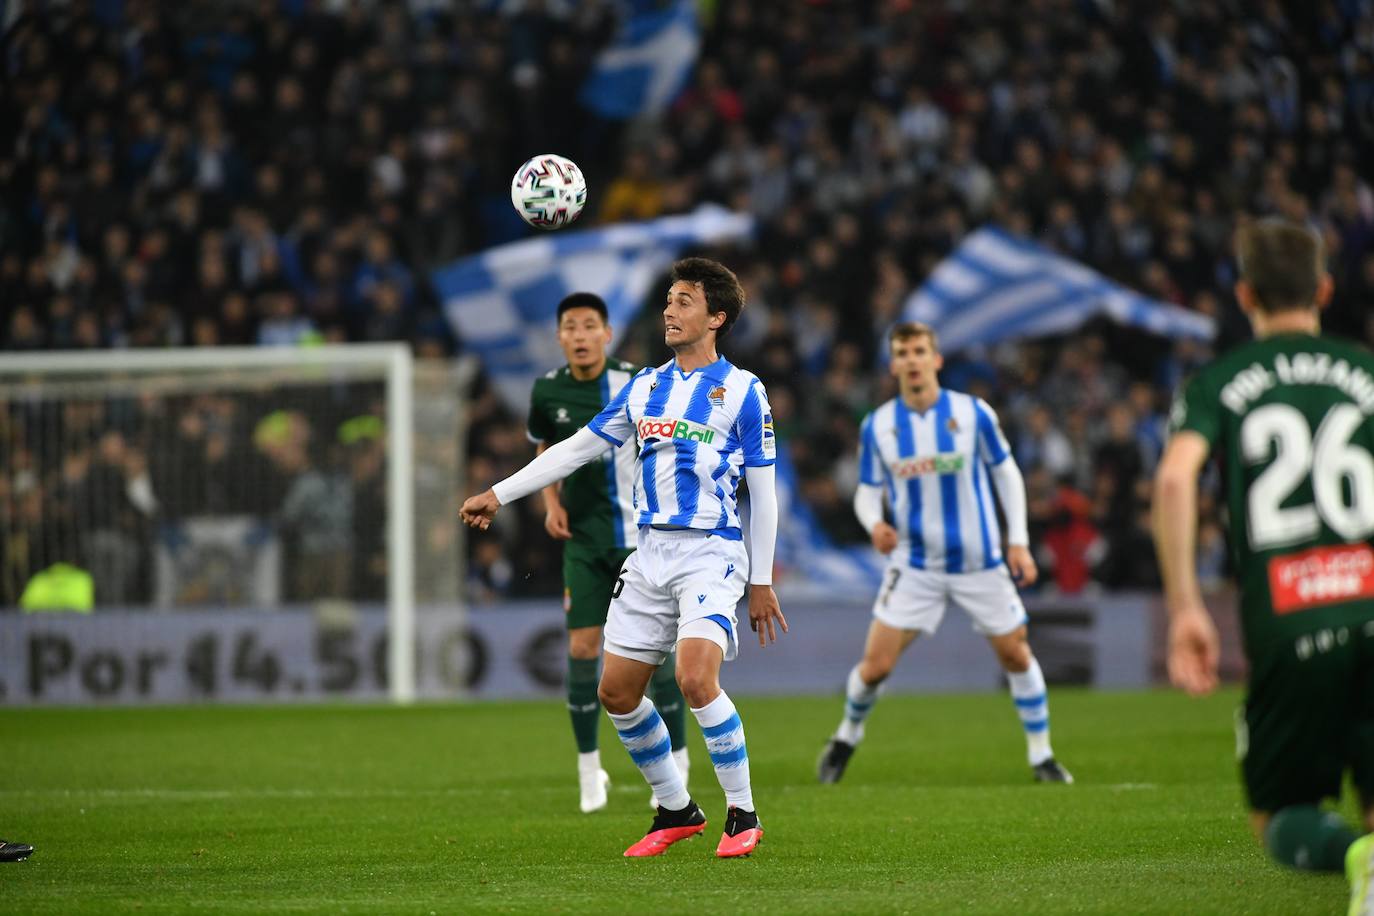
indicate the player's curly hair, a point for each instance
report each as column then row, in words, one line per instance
column 719, row 283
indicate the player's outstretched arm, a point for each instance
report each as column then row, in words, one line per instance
column 765, row 615
column 1194, row 648
column 553, row 464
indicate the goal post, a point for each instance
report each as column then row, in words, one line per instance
column 112, row 461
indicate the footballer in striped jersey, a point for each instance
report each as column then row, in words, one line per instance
column 936, row 456
column 698, row 425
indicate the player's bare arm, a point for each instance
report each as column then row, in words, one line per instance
column 1193, row 643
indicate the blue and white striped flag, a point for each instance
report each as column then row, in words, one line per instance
column 644, row 68
column 997, row 287
column 503, row 302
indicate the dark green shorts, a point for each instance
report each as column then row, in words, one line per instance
column 1308, row 718
column 589, row 574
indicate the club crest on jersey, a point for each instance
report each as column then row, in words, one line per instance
column 669, row 428
column 717, row 395
column 952, row 425
column 562, row 415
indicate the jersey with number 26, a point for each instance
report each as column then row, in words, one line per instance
column 1288, row 418
column 694, row 432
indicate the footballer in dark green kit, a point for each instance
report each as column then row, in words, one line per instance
column 1289, row 418
column 593, row 513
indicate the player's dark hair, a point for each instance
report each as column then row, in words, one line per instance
column 584, row 301
column 1282, row 263
column 905, row 330
column 719, row 283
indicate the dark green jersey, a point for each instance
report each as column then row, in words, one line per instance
column 1288, row 419
column 599, row 496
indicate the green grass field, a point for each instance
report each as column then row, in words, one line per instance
column 451, row 808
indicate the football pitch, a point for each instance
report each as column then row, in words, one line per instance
column 473, row 808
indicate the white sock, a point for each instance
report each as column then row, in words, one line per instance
column 725, row 742
column 589, row 762
column 858, row 703
column 683, row 763
column 646, row 738
column 1032, row 705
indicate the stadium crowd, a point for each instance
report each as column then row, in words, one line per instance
column 281, row 172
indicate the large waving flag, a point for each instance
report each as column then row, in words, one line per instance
column 648, row 62
column 997, row 287
column 502, row 302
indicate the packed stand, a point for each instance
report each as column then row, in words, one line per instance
column 272, row 174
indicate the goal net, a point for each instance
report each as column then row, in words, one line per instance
column 197, row 489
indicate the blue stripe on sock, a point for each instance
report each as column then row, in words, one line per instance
column 1029, row 702
column 651, row 721
column 724, row 728
column 859, row 707
column 1036, row 725
column 732, row 757
column 648, row 755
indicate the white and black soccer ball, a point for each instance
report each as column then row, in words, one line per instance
column 548, row 191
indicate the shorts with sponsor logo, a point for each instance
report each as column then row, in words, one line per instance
column 1308, row 716
column 673, row 582
column 915, row 599
column 589, row 574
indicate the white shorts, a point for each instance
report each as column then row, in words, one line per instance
column 915, row 599
column 670, row 588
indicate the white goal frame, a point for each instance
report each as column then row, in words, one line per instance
column 397, row 364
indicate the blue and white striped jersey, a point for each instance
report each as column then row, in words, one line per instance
column 934, row 467
column 693, row 432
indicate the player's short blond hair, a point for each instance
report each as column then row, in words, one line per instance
column 906, row 330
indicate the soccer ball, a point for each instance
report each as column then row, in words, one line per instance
column 548, row 191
